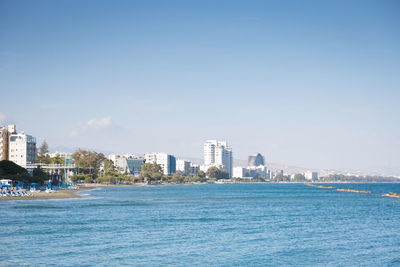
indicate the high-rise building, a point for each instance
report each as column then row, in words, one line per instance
column 3, row 144
column 22, row 149
column 166, row 161
column 4, row 140
column 256, row 160
column 218, row 154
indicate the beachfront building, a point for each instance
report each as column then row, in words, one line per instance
column 22, row 149
column 239, row 172
column 311, row 175
column 166, row 161
column 3, row 143
column 115, row 157
column 256, row 160
column 252, row 172
column 4, row 140
column 131, row 165
column 218, row 154
column 194, row 169
column 183, row 166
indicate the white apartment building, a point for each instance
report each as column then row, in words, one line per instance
column 166, row 161
column 183, row 166
column 218, row 154
column 115, row 157
column 22, row 149
column 239, row 172
column 194, row 169
column 311, row 175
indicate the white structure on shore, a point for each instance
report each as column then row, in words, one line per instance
column 183, row 166
column 166, row 161
column 59, row 154
column 311, row 175
column 22, row 149
column 251, row 172
column 127, row 163
column 218, row 154
column 115, row 157
column 194, row 169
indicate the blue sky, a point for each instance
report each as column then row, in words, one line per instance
column 307, row 83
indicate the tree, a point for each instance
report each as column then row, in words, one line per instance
column 56, row 160
column 108, row 166
column 41, row 156
column 177, row 178
column 89, row 161
column 299, row 177
column 39, row 176
column 201, row 174
column 224, row 174
column 212, row 172
column 151, row 171
column 10, row 168
column 12, row 171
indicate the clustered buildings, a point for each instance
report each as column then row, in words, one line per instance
column 17, row 147
column 21, row 149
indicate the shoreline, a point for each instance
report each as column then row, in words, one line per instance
column 74, row 193
column 60, row 194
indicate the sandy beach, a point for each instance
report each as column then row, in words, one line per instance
column 72, row 193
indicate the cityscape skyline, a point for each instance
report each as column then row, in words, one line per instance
column 312, row 84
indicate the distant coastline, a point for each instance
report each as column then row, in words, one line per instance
column 74, row 193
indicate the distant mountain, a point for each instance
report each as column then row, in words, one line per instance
column 294, row 169
column 73, row 149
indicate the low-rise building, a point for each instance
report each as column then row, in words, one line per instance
column 194, row 169
column 166, row 161
column 183, row 166
column 131, row 165
column 251, row 172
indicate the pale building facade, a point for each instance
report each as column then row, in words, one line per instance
column 22, row 149
column 4, row 140
column 256, row 160
column 218, row 154
column 311, row 175
column 183, row 166
column 166, row 161
column 251, row 172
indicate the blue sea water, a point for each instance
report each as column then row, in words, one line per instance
column 206, row 225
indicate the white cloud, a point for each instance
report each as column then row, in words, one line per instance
column 2, row 117
column 91, row 125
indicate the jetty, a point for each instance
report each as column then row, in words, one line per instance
column 320, row 186
column 353, row 191
column 391, row 194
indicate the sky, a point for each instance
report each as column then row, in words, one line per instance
column 313, row 84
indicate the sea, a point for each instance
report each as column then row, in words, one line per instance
column 205, row 225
